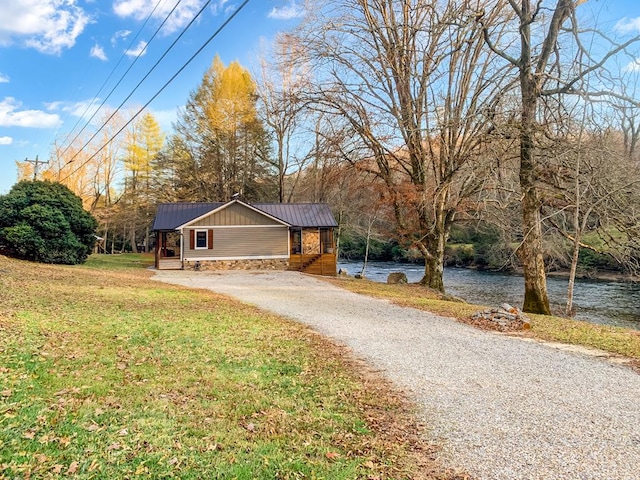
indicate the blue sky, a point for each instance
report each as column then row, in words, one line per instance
column 56, row 54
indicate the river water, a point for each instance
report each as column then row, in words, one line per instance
column 596, row 301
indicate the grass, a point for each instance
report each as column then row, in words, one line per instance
column 615, row 340
column 119, row 261
column 105, row 374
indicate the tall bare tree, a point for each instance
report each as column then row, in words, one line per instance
column 418, row 86
column 543, row 69
column 283, row 77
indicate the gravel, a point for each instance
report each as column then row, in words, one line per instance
column 502, row 408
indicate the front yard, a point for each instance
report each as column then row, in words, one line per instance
column 106, row 374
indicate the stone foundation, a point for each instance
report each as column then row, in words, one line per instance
column 266, row 264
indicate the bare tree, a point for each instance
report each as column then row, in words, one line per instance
column 542, row 72
column 283, row 77
column 416, row 84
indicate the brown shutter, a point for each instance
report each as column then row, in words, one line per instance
column 210, row 239
column 192, row 239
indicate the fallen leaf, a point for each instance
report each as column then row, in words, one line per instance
column 251, row 427
column 57, row 468
column 123, row 432
column 113, row 446
column 73, row 468
column 29, row 435
column 332, row 455
column 99, row 411
column 6, row 393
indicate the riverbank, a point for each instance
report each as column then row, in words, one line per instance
column 597, row 301
column 600, row 275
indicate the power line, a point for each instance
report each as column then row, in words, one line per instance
column 120, row 80
column 139, row 83
column 209, row 40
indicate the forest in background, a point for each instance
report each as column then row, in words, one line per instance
column 496, row 134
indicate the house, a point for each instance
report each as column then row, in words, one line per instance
column 235, row 234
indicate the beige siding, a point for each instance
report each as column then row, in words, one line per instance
column 242, row 242
column 235, row 214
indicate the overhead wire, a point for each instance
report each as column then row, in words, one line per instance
column 113, row 114
column 124, row 54
column 209, row 40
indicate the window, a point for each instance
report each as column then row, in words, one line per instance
column 201, row 239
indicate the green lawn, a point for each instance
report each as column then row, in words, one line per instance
column 106, row 374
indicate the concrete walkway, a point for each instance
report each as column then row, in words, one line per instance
column 503, row 408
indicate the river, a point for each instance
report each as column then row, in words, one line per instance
column 596, row 301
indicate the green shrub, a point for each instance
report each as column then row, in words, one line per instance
column 45, row 222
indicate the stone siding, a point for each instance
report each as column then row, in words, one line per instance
column 266, row 264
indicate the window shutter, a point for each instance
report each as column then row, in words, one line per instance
column 192, row 239
column 210, row 239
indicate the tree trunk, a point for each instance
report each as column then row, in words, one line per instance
column 134, row 245
column 433, row 252
column 366, row 249
column 530, row 251
column 570, row 310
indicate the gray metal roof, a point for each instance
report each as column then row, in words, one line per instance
column 171, row 215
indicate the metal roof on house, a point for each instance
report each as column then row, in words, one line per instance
column 172, row 215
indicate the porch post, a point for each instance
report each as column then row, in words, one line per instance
column 157, row 252
column 182, row 248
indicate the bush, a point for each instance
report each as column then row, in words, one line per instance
column 45, row 222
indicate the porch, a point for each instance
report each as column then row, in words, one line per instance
column 313, row 251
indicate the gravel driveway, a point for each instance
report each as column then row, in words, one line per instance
column 503, row 408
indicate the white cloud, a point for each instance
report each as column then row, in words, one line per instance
column 98, row 52
column 628, row 25
column 12, row 116
column 632, row 66
column 53, row 106
column 120, row 34
column 141, row 9
column 49, row 26
column 83, row 108
column 4, row 78
column 138, row 50
column 165, row 118
column 287, row 12
column 6, row 140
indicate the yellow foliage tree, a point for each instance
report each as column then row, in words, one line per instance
column 226, row 143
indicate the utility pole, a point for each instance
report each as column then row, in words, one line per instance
column 36, row 163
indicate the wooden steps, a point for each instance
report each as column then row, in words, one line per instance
column 170, row 263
